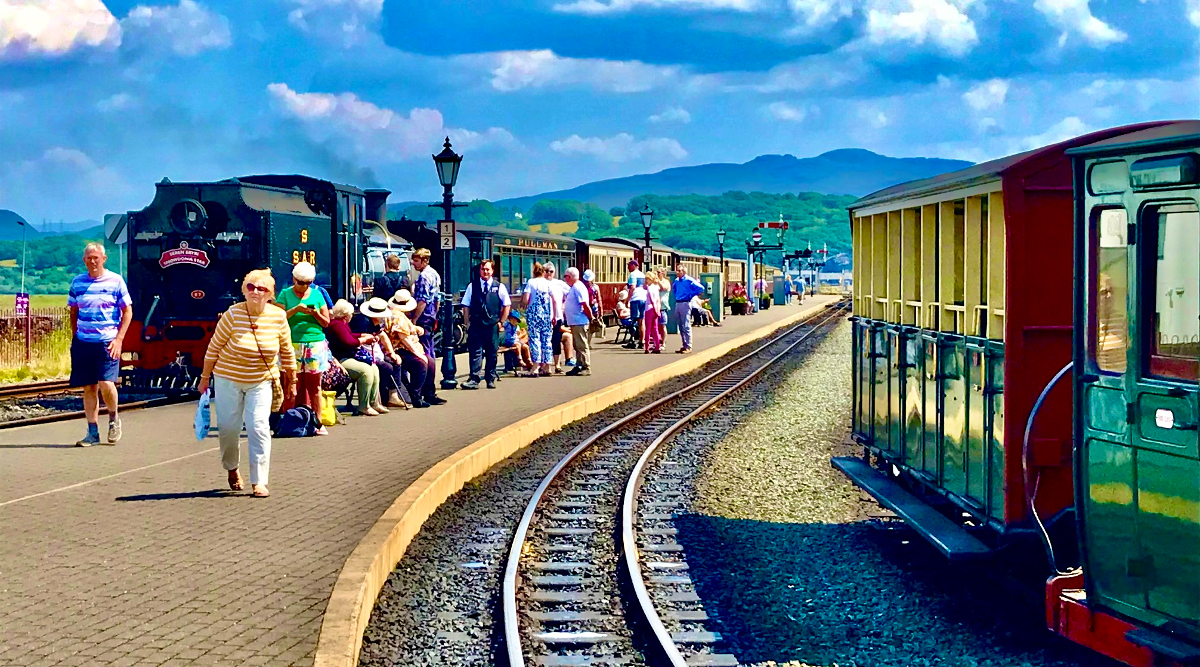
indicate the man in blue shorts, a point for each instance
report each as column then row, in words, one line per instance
column 101, row 311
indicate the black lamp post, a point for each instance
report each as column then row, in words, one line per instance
column 647, row 214
column 721, row 250
column 447, row 163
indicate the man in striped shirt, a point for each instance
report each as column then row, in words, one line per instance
column 101, row 310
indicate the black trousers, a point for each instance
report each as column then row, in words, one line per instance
column 428, row 388
column 406, row 378
column 481, row 344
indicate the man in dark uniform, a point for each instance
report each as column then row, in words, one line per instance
column 486, row 305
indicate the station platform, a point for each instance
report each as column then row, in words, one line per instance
column 139, row 555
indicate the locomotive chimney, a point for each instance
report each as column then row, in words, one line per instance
column 377, row 204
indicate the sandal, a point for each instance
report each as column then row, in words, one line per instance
column 235, row 481
column 260, row 491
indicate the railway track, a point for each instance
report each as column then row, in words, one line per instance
column 33, row 389
column 56, row 388
column 593, row 574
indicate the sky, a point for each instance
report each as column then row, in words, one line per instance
column 100, row 100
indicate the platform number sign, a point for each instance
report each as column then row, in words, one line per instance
column 446, row 234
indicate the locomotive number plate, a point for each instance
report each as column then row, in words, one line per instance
column 197, row 294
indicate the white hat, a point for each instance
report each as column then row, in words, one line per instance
column 403, row 301
column 375, row 307
column 304, row 272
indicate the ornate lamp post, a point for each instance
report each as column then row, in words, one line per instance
column 447, row 163
column 647, row 214
column 721, row 250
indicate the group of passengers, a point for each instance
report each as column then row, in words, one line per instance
column 644, row 305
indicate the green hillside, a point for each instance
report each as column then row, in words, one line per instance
column 52, row 262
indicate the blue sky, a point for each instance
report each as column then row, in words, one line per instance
column 100, row 100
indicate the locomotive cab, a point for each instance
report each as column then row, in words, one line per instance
column 1137, row 364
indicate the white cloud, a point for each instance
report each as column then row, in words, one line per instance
column 187, row 28
column 342, row 20
column 814, row 73
column 819, row 13
column 1067, row 128
column 986, row 95
column 1193, row 10
column 1075, row 16
column 620, row 148
column 597, row 7
column 672, row 115
column 118, row 102
column 874, row 117
column 68, row 171
column 943, row 23
column 515, row 70
column 377, row 133
column 786, row 112
column 55, row 27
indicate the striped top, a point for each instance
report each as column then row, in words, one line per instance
column 236, row 353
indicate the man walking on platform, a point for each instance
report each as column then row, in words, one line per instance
column 425, row 291
column 485, row 307
column 684, row 288
column 579, row 318
column 101, row 310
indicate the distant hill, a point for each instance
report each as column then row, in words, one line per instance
column 82, row 227
column 10, row 227
column 849, row 171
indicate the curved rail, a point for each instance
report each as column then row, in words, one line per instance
column 510, row 617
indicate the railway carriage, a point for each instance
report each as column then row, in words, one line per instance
column 968, row 312
column 189, row 249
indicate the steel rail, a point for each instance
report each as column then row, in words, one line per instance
column 510, row 617
column 28, row 389
column 631, row 560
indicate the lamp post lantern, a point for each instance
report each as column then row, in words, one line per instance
column 647, row 214
column 447, row 163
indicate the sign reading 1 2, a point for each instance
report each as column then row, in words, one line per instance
column 309, row 256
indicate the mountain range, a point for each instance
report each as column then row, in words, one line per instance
column 10, row 228
column 848, row 171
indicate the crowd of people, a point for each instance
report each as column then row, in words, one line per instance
column 296, row 347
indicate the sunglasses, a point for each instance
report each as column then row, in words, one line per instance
column 301, row 282
column 256, row 288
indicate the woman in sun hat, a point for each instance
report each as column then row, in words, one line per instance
column 389, row 363
column 405, row 341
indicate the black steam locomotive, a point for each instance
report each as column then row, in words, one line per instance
column 189, row 249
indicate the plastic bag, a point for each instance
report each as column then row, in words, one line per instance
column 329, row 413
column 203, row 417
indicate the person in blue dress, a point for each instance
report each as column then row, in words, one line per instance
column 539, row 320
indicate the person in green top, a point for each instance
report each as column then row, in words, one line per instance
column 307, row 317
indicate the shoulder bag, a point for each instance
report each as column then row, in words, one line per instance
column 276, row 384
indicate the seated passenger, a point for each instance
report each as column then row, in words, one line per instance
column 516, row 340
column 391, row 373
column 358, row 362
column 624, row 315
column 701, row 309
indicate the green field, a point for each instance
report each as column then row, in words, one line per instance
column 8, row 301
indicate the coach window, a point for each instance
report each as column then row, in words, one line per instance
column 1172, row 272
column 1109, row 337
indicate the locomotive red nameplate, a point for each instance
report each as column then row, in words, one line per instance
column 197, row 294
column 183, row 255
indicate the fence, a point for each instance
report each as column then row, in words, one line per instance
column 46, row 344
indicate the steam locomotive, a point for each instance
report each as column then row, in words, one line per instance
column 189, row 249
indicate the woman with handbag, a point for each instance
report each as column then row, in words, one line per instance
column 353, row 352
column 242, row 355
column 405, row 337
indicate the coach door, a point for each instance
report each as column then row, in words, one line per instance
column 1141, row 467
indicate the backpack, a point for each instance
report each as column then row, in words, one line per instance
column 297, row 422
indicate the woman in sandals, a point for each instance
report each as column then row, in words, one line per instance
column 345, row 346
column 242, row 355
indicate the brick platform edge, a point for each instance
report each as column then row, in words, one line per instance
column 367, row 569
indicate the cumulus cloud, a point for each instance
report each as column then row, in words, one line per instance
column 786, row 112
column 1075, row 16
column 620, row 148
column 1193, row 10
column 377, row 133
column 69, row 172
column 672, row 115
column 943, row 23
column 814, row 73
column 516, row 70
column 187, row 28
column 348, row 18
column 819, row 13
column 597, row 7
column 986, row 95
column 1067, row 128
column 55, row 27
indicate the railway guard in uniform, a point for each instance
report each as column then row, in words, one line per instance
column 485, row 306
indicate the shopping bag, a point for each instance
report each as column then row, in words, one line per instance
column 203, row 418
column 329, row 413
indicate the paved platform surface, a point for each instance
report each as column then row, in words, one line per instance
column 139, row 555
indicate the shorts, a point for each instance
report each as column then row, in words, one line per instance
column 556, row 336
column 312, row 357
column 637, row 310
column 90, row 364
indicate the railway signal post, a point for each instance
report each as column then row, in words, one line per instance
column 447, row 163
column 754, row 247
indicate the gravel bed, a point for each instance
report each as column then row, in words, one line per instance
column 798, row 567
column 438, row 606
